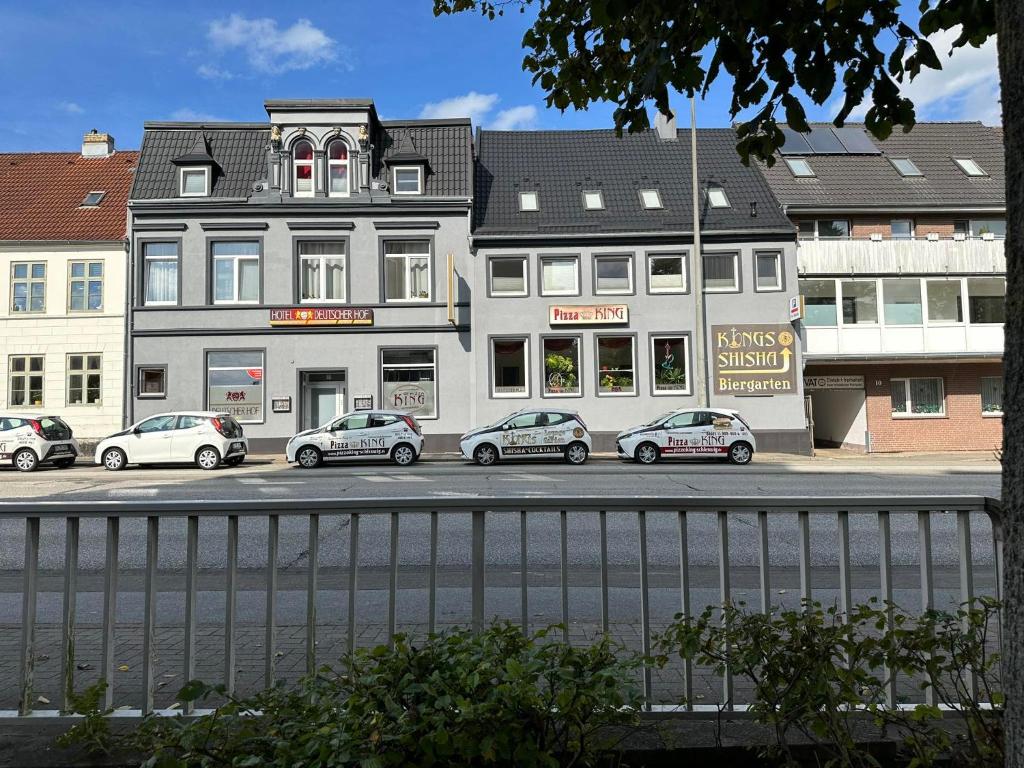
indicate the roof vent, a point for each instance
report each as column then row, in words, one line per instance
column 96, row 144
column 665, row 126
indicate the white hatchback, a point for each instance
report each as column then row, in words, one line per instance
column 540, row 433
column 388, row 435
column 205, row 438
column 28, row 440
column 689, row 433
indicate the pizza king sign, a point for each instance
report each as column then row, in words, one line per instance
column 599, row 314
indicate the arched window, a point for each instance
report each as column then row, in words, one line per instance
column 337, row 168
column 302, row 153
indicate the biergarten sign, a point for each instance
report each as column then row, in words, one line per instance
column 321, row 316
column 577, row 314
column 754, row 359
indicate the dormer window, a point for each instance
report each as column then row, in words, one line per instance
column 593, row 200
column 408, row 180
column 650, row 199
column 302, row 153
column 195, row 182
column 968, row 166
column 93, row 199
column 717, row 197
column 337, row 167
column 528, row 201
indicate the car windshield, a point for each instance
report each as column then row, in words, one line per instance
column 54, row 429
column 230, row 427
column 659, row 419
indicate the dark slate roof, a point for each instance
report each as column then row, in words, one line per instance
column 560, row 165
column 445, row 145
column 871, row 181
column 239, row 152
column 198, row 155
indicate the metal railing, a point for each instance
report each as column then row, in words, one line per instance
column 871, row 514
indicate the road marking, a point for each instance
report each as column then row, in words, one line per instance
column 529, row 478
column 394, row 479
column 132, row 492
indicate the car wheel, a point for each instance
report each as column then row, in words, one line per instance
column 114, row 459
column 308, row 457
column 576, row 453
column 207, row 457
column 26, row 460
column 403, row 454
column 485, row 455
column 740, row 453
column 647, row 453
column 63, row 463
column 234, row 461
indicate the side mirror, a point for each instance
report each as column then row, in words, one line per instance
column 136, row 431
column 506, row 425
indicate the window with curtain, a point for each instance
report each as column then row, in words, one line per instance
column 666, row 273
column 236, row 272
column 720, row 272
column 918, row 397
column 992, row 395
column 28, row 286
column 302, row 159
column 159, row 273
column 407, row 270
column 322, row 271
column 613, row 274
column 769, row 271
column 508, row 276
column 559, row 275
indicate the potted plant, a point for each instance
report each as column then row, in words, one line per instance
column 561, row 373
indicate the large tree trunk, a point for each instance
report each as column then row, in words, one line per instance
column 1010, row 29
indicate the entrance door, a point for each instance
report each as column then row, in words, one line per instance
column 322, row 401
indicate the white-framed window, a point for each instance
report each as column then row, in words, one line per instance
column 945, row 302
column 302, row 168
column 901, row 301
column 650, row 199
column 768, row 271
column 905, row 166
column 901, row 229
column 860, row 302
column 613, row 274
column 969, row 166
column 824, row 229
column 409, row 381
column 593, row 200
column 666, row 273
column 322, row 265
column 799, row 167
column 986, row 298
column 616, row 365
column 918, row 398
column 408, row 180
column 85, row 286
column 510, row 361
column 407, row 270
column 85, row 379
column 994, row 229
column 560, row 356
column 337, row 168
column 559, row 275
column 670, row 365
column 152, row 381
column 159, row 274
column 194, row 182
column 528, row 201
column 25, row 380
column 819, row 303
column 28, row 286
column 236, row 271
column 717, row 197
column 721, row 272
column 991, row 395
column 508, row 276
column 234, row 384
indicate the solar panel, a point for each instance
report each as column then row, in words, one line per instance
column 794, row 144
column 824, row 142
column 856, row 141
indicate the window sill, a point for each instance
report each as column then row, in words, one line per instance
column 667, row 291
column 510, row 396
column 616, row 394
column 561, row 395
column 992, row 415
column 493, row 295
column 767, row 290
column 151, row 397
column 914, row 416
column 671, row 393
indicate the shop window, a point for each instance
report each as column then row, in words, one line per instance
column 28, row 287
column 409, row 381
column 85, row 286
column 901, row 302
column 25, row 374
column 769, row 271
column 666, row 273
column 613, row 274
column 236, row 272
column 721, row 272
column 945, row 303
column 84, row 379
column 159, row 273
column 559, row 276
column 819, row 302
column 991, row 395
column 616, row 365
column 918, row 398
column 670, row 365
column 508, row 276
column 407, row 270
column 509, row 368
column 302, row 155
column 860, row 302
column 986, row 297
column 152, row 382
column 561, row 366
column 234, row 384
column 322, row 271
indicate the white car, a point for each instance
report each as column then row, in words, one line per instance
column 393, row 435
column 206, row 438
column 28, row 440
column 689, row 433
column 530, row 434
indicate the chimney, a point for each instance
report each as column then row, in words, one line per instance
column 665, row 126
column 96, row 144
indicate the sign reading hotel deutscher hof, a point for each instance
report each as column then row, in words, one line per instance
column 600, row 314
column 754, row 359
column 833, row 382
column 321, row 316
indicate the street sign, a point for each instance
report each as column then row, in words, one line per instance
column 796, row 308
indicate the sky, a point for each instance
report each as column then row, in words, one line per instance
column 71, row 67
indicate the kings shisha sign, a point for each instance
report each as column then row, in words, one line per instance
column 754, row 359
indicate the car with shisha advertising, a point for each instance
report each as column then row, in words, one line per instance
column 205, row 438
column 540, row 433
column 387, row 435
column 689, row 433
column 29, row 440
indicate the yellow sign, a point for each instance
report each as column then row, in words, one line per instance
column 754, row 359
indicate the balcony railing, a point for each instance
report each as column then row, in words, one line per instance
column 604, row 573
column 846, row 256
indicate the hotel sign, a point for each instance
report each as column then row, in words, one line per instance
column 754, row 359
column 321, row 316
column 600, row 314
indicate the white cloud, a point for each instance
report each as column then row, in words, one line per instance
column 210, row 72
column 70, row 107
column 515, row 118
column 188, row 115
column 478, row 107
column 270, row 49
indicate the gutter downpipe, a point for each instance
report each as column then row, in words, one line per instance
column 700, row 331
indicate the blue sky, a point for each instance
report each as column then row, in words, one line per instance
column 70, row 67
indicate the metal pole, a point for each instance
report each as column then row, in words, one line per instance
column 699, row 332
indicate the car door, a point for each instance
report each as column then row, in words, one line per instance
column 7, row 427
column 682, row 437
column 187, row 438
column 381, row 434
column 150, row 442
column 522, row 436
column 342, row 441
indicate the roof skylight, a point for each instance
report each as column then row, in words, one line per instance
column 593, row 200
column 717, row 197
column 93, row 199
column 905, row 166
column 799, row 167
column 968, row 166
column 650, row 198
column 528, row 201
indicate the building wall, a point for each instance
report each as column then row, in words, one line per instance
column 59, row 332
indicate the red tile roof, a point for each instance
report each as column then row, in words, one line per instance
column 41, row 196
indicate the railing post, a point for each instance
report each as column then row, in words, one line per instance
column 885, row 584
column 725, row 590
column 191, row 573
column 645, row 607
column 270, row 643
column 149, row 613
column 67, row 654
column 563, row 575
column 28, row 614
column 230, row 603
column 477, row 567
column 353, row 578
column 393, row 580
column 110, row 607
column 312, row 575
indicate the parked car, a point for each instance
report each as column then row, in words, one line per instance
column 391, row 435
column 206, row 438
column 28, row 440
column 689, row 433
column 530, row 434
